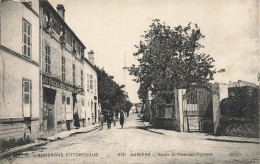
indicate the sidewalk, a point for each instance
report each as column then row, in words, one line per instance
column 201, row 136
column 65, row 134
column 55, row 137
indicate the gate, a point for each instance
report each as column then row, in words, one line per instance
column 194, row 104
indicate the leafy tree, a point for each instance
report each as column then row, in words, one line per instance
column 171, row 58
column 111, row 95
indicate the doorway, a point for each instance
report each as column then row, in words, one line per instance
column 48, row 108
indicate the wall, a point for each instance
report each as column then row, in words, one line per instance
column 219, row 92
column 11, row 31
column 89, row 97
column 14, row 68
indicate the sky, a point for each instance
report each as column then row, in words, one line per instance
column 111, row 28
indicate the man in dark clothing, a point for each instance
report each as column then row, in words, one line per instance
column 122, row 118
column 76, row 120
column 109, row 119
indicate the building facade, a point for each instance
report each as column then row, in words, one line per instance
column 19, row 69
column 62, row 72
column 92, row 107
column 47, row 85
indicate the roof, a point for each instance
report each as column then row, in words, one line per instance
column 50, row 7
column 91, row 65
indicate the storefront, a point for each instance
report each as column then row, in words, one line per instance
column 61, row 103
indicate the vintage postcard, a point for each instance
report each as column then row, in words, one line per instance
column 129, row 81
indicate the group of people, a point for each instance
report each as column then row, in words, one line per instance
column 109, row 119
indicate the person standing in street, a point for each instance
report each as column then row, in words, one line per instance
column 76, row 120
column 122, row 118
column 109, row 118
column 101, row 121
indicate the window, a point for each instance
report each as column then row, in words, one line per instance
column 91, row 83
column 63, row 69
column 27, row 98
column 68, row 100
column 74, row 73
column 68, row 38
column 47, row 58
column 27, row 46
column 88, row 82
column 56, row 27
column 63, row 99
column 95, row 87
column 82, row 102
column 82, row 78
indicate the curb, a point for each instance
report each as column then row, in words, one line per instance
column 146, row 127
column 214, row 139
column 21, row 148
column 230, row 140
column 79, row 131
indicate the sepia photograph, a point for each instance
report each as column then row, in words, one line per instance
column 129, row 81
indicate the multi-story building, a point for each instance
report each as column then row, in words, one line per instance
column 46, row 83
column 62, row 72
column 92, row 107
column 19, row 69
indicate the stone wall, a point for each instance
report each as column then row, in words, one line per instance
column 166, row 123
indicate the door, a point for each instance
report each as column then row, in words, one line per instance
column 50, row 118
column 49, row 100
column 27, row 98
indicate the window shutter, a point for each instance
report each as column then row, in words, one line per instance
column 30, row 92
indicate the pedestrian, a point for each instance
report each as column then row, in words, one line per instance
column 76, row 120
column 109, row 118
column 101, row 121
column 114, row 119
column 122, row 118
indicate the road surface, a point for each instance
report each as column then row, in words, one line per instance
column 135, row 144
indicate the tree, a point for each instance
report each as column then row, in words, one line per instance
column 111, row 95
column 171, row 58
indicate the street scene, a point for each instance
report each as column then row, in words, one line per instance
column 129, row 81
column 136, row 144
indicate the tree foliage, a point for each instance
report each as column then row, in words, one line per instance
column 171, row 57
column 111, row 95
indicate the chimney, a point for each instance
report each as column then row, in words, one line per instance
column 91, row 57
column 61, row 11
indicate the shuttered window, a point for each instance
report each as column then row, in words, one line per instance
column 88, row 82
column 91, row 83
column 74, row 73
column 47, row 58
column 82, row 78
column 27, row 45
column 63, row 68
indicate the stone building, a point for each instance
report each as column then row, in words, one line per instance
column 92, row 107
column 19, row 69
column 62, row 72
